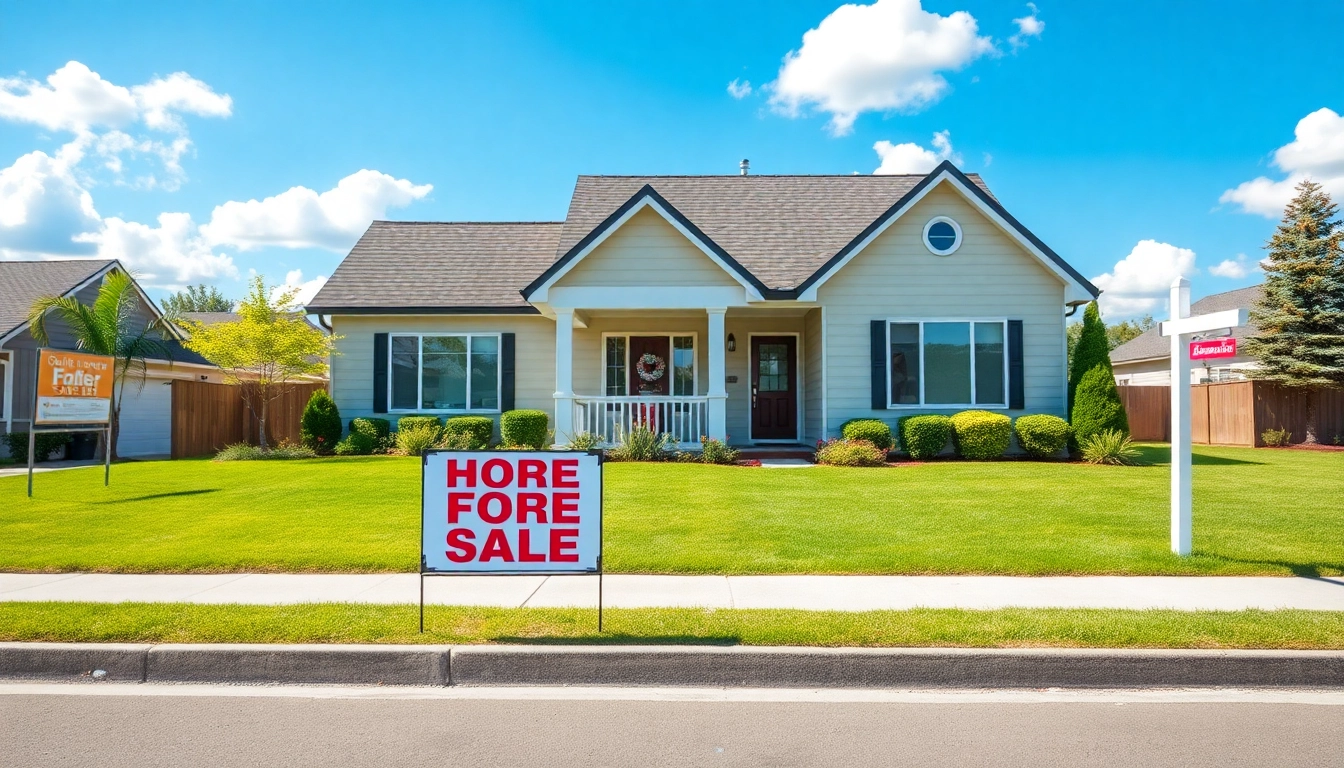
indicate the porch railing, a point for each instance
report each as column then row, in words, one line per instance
column 685, row 418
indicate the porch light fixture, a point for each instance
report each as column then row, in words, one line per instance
column 732, row 343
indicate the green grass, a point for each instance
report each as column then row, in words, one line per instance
column 329, row 623
column 1273, row 512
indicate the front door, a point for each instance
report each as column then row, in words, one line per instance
column 650, row 365
column 774, row 387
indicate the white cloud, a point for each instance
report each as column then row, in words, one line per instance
column 1027, row 26
column 171, row 253
column 161, row 99
column 739, row 89
column 912, row 158
column 1141, row 281
column 114, row 147
column 1316, row 152
column 884, row 56
column 43, row 206
column 302, row 218
column 307, row 289
column 1234, row 268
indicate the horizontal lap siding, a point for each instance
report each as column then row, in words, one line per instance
column 646, row 250
column 896, row 276
column 813, row 403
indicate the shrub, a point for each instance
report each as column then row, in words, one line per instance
column 874, row 431
column 640, row 444
column 414, row 439
column 379, row 431
column 413, row 421
column 523, row 429
column 981, row 434
column 1110, row 446
column 583, row 441
column 320, row 425
column 924, row 437
column 245, row 452
column 850, row 453
column 717, row 452
column 478, row 430
column 1042, row 435
column 457, row 441
column 44, row 445
column 1276, row 438
column 357, row 443
column 1096, row 405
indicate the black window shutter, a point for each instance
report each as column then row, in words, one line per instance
column 380, row 373
column 1017, row 398
column 878, row 330
column 506, row 371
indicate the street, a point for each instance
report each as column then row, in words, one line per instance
column 165, row 725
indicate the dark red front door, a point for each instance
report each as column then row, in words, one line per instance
column 650, row 365
column 774, row 388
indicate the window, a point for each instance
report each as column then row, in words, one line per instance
column 616, row 366
column 948, row 363
column 444, row 373
column 615, row 372
column 942, row 235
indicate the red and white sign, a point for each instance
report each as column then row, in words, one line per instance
column 1213, row 348
column 511, row 512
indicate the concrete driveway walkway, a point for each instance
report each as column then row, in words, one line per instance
column 835, row 593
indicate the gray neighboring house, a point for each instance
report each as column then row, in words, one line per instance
column 1146, row 359
column 756, row 309
column 146, row 411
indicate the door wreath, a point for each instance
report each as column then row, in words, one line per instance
column 650, row 367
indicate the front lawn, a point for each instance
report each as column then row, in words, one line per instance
column 1274, row 512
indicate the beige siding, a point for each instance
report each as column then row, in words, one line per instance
column 989, row 276
column 646, row 250
column 814, row 374
column 352, row 369
column 1158, row 372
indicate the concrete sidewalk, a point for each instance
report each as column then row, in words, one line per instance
column 814, row 593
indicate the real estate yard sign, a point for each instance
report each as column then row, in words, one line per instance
column 511, row 512
column 73, row 394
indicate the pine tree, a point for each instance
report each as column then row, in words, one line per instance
column 1093, row 348
column 1300, row 317
column 1094, row 403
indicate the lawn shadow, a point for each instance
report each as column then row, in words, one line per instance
column 1161, row 454
column 616, row 638
column 167, row 495
column 1304, row 570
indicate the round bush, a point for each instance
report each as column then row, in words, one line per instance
column 356, row 444
column 523, row 428
column 874, row 431
column 320, row 425
column 850, row 453
column 415, row 421
column 476, row 429
column 378, row 429
column 981, row 434
column 924, row 437
column 1042, row 435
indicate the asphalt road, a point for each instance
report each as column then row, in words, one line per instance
column 204, row 729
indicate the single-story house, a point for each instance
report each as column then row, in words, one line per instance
column 756, row 309
column 1145, row 360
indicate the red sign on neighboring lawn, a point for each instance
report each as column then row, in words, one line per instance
column 1213, row 348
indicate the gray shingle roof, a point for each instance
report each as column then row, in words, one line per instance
column 427, row 266
column 23, row 282
column 1151, row 344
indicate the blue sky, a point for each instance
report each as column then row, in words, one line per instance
column 1120, row 133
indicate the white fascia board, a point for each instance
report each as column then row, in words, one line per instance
column 543, row 291
column 646, row 297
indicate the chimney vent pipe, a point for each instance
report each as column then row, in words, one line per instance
column 744, row 166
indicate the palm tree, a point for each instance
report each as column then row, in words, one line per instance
column 109, row 326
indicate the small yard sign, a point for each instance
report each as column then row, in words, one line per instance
column 73, row 388
column 1211, row 349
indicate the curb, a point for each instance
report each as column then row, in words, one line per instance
column 670, row 666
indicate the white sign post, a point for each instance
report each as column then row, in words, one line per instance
column 1180, row 328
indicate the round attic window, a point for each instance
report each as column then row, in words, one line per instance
column 942, row 235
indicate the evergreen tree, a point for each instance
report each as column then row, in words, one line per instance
column 320, row 427
column 1092, row 349
column 1300, row 317
column 1094, row 403
column 196, row 298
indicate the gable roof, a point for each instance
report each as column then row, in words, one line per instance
column 1151, row 344
column 23, row 282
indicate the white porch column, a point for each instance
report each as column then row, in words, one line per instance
column 564, row 375
column 718, row 392
column 1180, row 422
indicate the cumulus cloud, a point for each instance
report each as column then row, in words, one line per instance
column 306, row 289
column 739, row 89
column 912, row 158
column 1141, row 281
column 884, row 56
column 1027, row 26
column 1316, row 152
column 43, row 206
column 171, row 253
column 1235, row 269
column 303, row 218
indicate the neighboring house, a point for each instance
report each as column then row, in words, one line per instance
column 749, row 308
column 1146, row 358
column 146, row 408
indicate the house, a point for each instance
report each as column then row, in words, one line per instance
column 1146, row 358
column 756, row 309
column 146, row 409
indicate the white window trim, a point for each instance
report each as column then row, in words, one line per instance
column 602, row 360
column 7, row 389
column 955, row 228
column 420, row 369
column 923, row 377
column 799, row 381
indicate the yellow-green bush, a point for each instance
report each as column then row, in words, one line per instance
column 981, row 434
column 1042, row 435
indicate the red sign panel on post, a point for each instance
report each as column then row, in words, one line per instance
column 1213, row 348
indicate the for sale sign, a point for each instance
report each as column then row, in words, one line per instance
column 511, row 512
column 1213, row 348
column 73, row 387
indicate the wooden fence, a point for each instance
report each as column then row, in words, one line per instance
column 207, row 417
column 1233, row 412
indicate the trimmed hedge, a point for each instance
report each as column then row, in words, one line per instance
column 415, row 421
column 1041, row 435
column 378, row 429
column 523, row 428
column 924, row 437
column 478, row 429
column 874, row 431
column 981, row 434
column 45, row 444
column 356, row 443
column 320, row 425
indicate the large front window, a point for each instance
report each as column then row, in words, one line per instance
column 457, row 372
column 677, row 352
column 948, row 363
